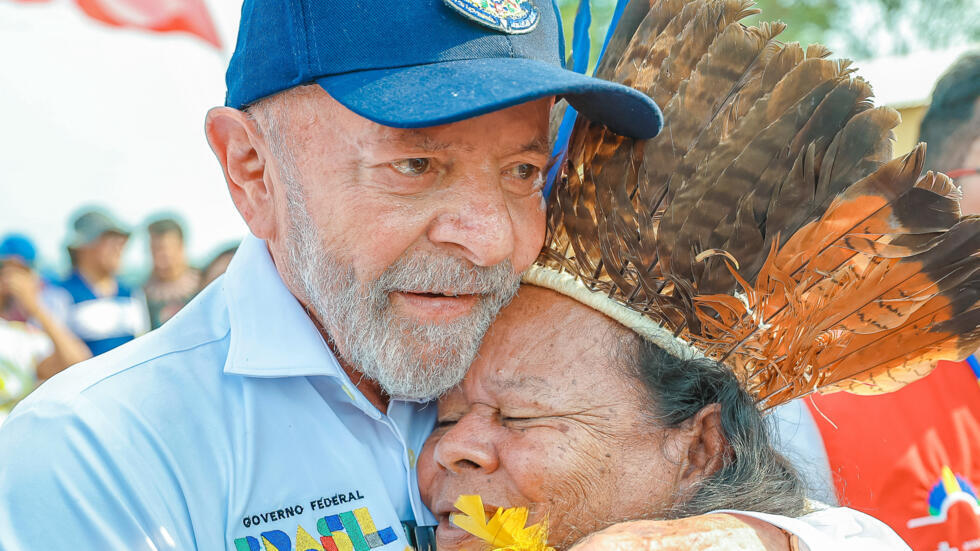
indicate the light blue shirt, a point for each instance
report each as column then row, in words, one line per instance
column 231, row 427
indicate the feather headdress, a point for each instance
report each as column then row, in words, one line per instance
column 768, row 226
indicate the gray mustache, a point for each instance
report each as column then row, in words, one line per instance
column 447, row 275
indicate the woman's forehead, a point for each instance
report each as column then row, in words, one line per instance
column 543, row 335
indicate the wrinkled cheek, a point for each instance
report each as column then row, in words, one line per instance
column 428, row 473
column 529, row 230
column 572, row 488
column 378, row 231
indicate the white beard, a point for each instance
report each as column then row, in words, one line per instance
column 407, row 358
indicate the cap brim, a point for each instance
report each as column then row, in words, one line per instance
column 440, row 93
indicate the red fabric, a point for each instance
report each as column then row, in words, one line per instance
column 888, row 452
column 155, row 15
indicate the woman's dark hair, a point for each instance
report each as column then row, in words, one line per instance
column 754, row 476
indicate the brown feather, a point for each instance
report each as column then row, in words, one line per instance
column 767, row 226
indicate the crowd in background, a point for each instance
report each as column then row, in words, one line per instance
column 49, row 323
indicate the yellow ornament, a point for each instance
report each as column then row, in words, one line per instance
column 505, row 531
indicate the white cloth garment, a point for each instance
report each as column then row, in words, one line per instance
column 836, row 529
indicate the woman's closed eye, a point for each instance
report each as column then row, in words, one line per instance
column 522, row 421
column 447, row 422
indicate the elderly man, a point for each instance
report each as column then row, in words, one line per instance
column 388, row 161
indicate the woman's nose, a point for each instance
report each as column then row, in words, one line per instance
column 468, row 445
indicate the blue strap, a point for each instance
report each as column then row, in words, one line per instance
column 581, row 41
column 581, row 48
column 974, row 365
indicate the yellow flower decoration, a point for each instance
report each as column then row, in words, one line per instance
column 505, row 531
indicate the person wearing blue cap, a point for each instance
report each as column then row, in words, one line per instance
column 389, row 161
column 34, row 343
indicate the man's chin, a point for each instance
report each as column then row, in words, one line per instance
column 416, row 388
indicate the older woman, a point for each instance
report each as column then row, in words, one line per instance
column 766, row 247
column 571, row 414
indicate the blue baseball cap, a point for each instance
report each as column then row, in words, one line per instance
column 423, row 62
column 19, row 247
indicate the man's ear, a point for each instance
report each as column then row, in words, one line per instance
column 707, row 448
column 243, row 153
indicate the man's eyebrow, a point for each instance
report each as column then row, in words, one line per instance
column 537, row 145
column 415, row 139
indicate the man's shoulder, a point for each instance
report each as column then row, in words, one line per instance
column 135, row 436
column 181, row 357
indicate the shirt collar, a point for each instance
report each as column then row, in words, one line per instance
column 271, row 333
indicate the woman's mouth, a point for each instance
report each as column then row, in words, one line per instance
column 451, row 537
column 448, row 535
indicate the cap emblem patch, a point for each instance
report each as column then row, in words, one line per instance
column 509, row 16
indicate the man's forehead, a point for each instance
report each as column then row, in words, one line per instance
column 309, row 107
column 437, row 139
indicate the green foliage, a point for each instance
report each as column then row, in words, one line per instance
column 602, row 11
column 871, row 28
column 852, row 28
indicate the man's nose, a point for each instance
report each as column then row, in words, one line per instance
column 467, row 446
column 477, row 222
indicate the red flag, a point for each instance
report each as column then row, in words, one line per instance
column 155, row 15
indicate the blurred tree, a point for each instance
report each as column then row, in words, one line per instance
column 857, row 29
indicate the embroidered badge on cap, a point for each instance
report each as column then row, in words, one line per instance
column 509, row 16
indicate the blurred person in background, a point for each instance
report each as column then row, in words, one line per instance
column 34, row 343
column 217, row 265
column 951, row 128
column 172, row 282
column 103, row 311
column 20, row 255
column 910, row 458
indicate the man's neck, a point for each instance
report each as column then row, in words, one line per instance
column 173, row 274
column 368, row 387
column 102, row 283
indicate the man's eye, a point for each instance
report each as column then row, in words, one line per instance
column 412, row 167
column 524, row 171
